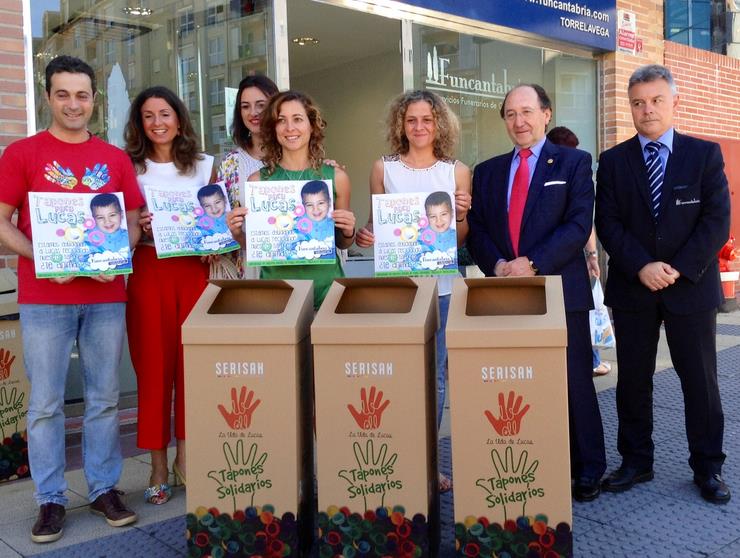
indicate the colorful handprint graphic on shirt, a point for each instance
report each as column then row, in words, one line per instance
column 57, row 174
column 97, row 177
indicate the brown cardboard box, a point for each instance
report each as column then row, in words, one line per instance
column 374, row 374
column 14, row 387
column 248, row 418
column 506, row 339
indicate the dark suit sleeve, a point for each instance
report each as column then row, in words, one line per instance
column 571, row 234
column 625, row 251
column 479, row 241
column 713, row 226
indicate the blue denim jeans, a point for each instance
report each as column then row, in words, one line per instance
column 49, row 332
column 444, row 307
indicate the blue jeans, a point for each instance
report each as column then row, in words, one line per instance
column 49, row 331
column 597, row 356
column 444, row 307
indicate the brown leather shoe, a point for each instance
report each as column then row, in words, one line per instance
column 109, row 505
column 48, row 526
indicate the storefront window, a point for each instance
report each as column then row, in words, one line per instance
column 195, row 47
column 473, row 75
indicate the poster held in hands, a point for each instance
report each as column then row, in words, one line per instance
column 289, row 222
column 79, row 235
column 190, row 221
column 415, row 234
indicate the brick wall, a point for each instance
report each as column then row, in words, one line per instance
column 12, row 73
column 709, row 91
column 12, row 87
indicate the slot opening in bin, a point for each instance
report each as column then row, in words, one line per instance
column 506, row 298
column 377, row 299
column 253, row 297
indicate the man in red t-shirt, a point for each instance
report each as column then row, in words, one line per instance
column 56, row 313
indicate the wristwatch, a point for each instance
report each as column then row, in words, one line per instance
column 533, row 267
column 590, row 253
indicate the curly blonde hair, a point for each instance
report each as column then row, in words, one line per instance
column 446, row 122
column 272, row 149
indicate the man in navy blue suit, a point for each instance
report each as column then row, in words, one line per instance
column 662, row 214
column 531, row 215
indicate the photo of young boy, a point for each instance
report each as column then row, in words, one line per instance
column 213, row 201
column 438, row 208
column 107, row 236
column 317, row 203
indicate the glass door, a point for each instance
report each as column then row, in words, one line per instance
column 349, row 62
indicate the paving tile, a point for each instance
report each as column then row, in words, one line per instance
column 673, row 523
column 7, row 552
column 18, row 502
column 170, row 533
column 80, row 527
column 136, row 544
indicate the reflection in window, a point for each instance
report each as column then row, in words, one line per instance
column 473, row 74
column 217, row 92
column 216, row 51
column 697, row 23
column 179, row 46
column 187, row 23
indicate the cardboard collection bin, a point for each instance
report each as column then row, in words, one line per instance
column 14, row 386
column 506, row 340
column 248, row 419
column 376, row 435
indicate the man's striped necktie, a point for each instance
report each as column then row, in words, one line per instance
column 655, row 174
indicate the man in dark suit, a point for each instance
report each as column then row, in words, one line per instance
column 532, row 214
column 662, row 214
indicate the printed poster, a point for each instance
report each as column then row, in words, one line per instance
column 415, row 234
column 14, row 392
column 79, row 234
column 190, row 221
column 289, row 222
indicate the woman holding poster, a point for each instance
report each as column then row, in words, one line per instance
column 292, row 134
column 252, row 96
column 422, row 134
column 164, row 148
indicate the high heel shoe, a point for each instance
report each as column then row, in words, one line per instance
column 179, row 477
column 158, row 494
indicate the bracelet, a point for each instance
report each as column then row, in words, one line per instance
column 350, row 236
column 461, row 220
column 590, row 253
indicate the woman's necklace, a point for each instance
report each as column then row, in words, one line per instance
column 304, row 174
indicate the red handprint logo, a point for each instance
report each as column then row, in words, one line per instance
column 240, row 417
column 510, row 415
column 6, row 361
column 368, row 418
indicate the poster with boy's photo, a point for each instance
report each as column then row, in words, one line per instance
column 415, row 234
column 289, row 222
column 79, row 235
column 190, row 221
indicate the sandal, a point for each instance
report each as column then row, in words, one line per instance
column 179, row 477
column 602, row 369
column 158, row 494
column 445, row 484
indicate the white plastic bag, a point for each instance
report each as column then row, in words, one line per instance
column 602, row 334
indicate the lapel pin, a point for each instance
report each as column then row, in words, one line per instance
column 550, row 161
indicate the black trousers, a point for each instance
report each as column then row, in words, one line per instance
column 692, row 343
column 587, row 454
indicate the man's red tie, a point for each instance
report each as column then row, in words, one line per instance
column 518, row 198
